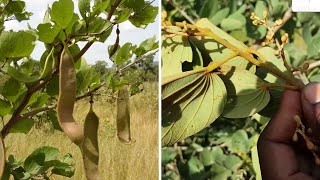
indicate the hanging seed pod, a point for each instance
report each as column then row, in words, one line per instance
column 2, row 157
column 66, row 99
column 90, row 147
column 123, row 115
column 295, row 137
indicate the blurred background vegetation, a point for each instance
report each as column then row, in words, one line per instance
column 227, row 148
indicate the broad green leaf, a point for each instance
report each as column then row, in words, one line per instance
column 168, row 155
column 219, row 16
column 246, row 96
column 136, row 5
column 274, row 61
column 16, row 44
column 175, row 51
column 50, row 153
column 5, row 107
column 231, row 24
column 11, row 89
column 146, row 45
column 63, row 169
column 209, row 157
column 195, row 166
column 144, row 17
column 219, row 172
column 108, row 76
column 15, row 7
column 123, row 54
column 98, row 25
column 22, row 126
column 52, row 115
column 232, row 162
column 52, row 87
column 62, row 12
column 84, row 8
column 190, row 104
column 47, row 32
column 124, row 15
column 239, row 142
column 99, row 7
column 21, row 76
column 42, row 99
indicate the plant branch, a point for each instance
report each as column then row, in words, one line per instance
column 113, row 8
column 287, row 15
column 181, row 11
column 313, row 65
column 140, row 58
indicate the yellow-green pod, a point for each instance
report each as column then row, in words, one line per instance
column 2, row 157
column 66, row 99
column 90, row 147
column 123, row 115
column 49, row 65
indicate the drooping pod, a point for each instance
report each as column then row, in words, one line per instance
column 66, row 99
column 49, row 65
column 123, row 115
column 90, row 147
column 2, row 157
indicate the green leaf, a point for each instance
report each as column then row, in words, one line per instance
column 54, row 120
column 209, row 157
column 84, row 8
column 52, row 87
column 175, row 51
column 47, row 32
column 16, row 44
column 50, row 153
column 63, row 169
column 124, row 15
column 231, row 24
column 42, row 99
column 255, row 162
column 99, row 7
column 219, row 16
column 5, row 107
column 195, row 166
column 11, row 89
column 274, row 61
column 108, row 76
column 22, row 126
column 168, row 155
column 136, row 5
column 98, row 25
column 20, row 76
column 123, row 54
column 190, row 104
column 144, row 17
column 62, row 12
column 245, row 93
column 239, row 142
column 15, row 7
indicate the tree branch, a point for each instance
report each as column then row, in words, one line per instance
column 313, row 65
column 140, row 58
column 287, row 15
column 113, row 8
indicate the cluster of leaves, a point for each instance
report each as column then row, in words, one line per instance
column 191, row 109
column 40, row 164
column 29, row 87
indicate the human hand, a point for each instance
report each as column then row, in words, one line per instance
column 279, row 157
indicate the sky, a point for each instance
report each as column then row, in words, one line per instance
column 98, row 51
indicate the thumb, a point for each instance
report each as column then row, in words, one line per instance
column 310, row 100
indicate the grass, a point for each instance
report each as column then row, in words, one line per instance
column 117, row 160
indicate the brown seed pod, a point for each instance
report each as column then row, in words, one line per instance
column 90, row 147
column 123, row 115
column 66, row 99
column 2, row 157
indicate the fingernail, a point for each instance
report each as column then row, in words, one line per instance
column 312, row 93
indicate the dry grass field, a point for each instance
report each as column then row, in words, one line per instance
column 117, row 161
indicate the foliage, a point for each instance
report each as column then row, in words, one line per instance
column 222, row 58
column 30, row 88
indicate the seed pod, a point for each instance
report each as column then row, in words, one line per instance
column 309, row 130
column 277, row 53
column 66, row 99
column 310, row 145
column 265, row 14
column 90, row 147
column 48, row 66
column 123, row 115
column 2, row 157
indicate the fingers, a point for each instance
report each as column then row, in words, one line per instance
column 277, row 158
column 310, row 99
column 281, row 128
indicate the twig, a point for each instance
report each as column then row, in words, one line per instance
column 287, row 15
column 113, row 8
column 182, row 12
column 313, row 65
column 139, row 59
